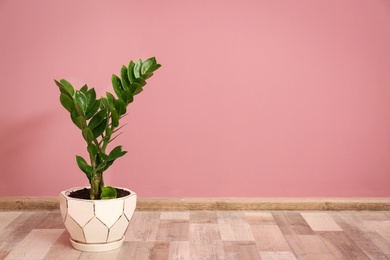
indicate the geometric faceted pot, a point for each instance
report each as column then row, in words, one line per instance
column 97, row 225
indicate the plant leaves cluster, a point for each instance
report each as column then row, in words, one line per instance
column 98, row 119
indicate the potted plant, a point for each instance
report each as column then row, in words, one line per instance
column 97, row 216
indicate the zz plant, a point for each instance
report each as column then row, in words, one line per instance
column 98, row 119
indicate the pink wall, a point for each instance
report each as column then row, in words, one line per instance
column 254, row 99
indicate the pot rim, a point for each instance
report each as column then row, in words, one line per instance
column 65, row 193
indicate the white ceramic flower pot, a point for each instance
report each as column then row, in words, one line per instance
column 97, row 225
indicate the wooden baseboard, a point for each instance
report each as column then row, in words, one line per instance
column 172, row 204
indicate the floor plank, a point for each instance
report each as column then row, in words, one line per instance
column 367, row 239
column 204, row 217
column 269, row 238
column 342, row 246
column 201, row 250
column 143, row 226
column 292, row 223
column 36, row 244
column 62, row 249
column 282, row 255
column 308, row 247
column 204, row 232
column 234, row 227
column 8, row 217
column 173, row 230
column 179, row 250
column 17, row 230
column 241, row 250
column 320, row 222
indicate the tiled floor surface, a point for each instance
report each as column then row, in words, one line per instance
column 210, row 235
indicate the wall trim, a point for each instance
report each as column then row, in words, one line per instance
column 177, row 204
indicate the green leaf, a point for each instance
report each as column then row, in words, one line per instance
column 98, row 118
column 127, row 97
column 138, row 90
column 116, row 153
column 88, row 135
column 91, row 112
column 103, row 103
column 81, row 98
column 78, row 109
column 147, row 64
column 110, row 100
column 82, row 122
column 66, row 102
column 84, row 166
column 91, row 98
column 147, row 75
column 117, row 85
column 125, row 78
column 67, row 86
column 108, row 192
column 63, row 89
column 155, row 67
column 84, row 89
column 74, row 116
column 107, row 165
column 134, row 86
column 92, row 150
column 141, row 81
column 137, row 69
column 130, row 73
column 99, row 130
column 120, row 106
column 114, row 118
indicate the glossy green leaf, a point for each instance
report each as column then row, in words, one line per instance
column 147, row 64
column 99, row 130
column 137, row 69
column 84, row 166
column 154, row 67
column 104, row 103
column 134, row 86
column 92, row 150
column 81, row 122
column 107, row 165
column 63, row 89
column 91, row 98
column 120, row 106
column 130, row 73
column 125, row 78
column 147, row 75
column 103, row 156
column 67, row 86
column 110, row 100
column 73, row 116
column 116, row 153
column 66, row 102
column 78, row 109
column 81, row 98
column 141, row 82
column 90, row 113
column 88, row 135
column 138, row 90
column 127, row 97
column 114, row 118
column 108, row 192
column 98, row 118
column 117, row 85
column 84, row 89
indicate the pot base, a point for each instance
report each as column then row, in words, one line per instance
column 99, row 247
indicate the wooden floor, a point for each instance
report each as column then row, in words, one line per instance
column 210, row 235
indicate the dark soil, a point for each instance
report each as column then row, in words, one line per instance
column 84, row 194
